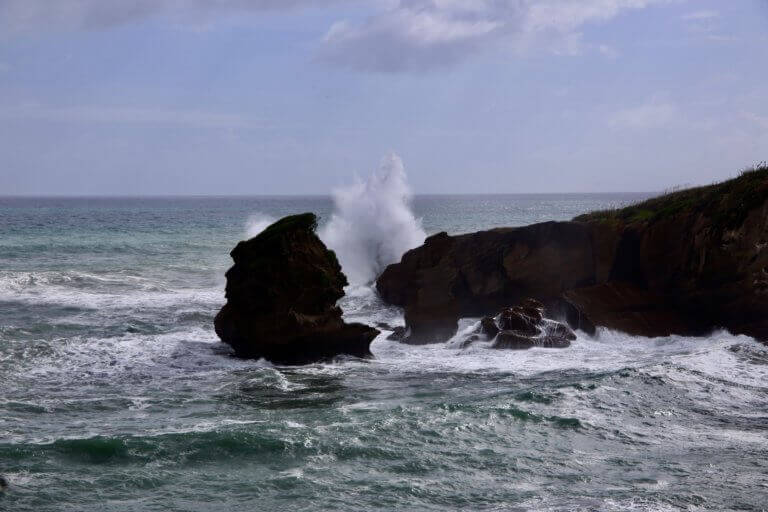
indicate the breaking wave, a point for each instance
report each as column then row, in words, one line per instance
column 373, row 224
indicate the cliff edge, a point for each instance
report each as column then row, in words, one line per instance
column 683, row 263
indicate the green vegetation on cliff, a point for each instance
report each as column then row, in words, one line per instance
column 726, row 203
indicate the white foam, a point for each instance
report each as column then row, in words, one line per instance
column 103, row 292
column 257, row 223
column 105, row 359
column 610, row 351
column 373, row 225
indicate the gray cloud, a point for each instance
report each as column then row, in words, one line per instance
column 701, row 15
column 650, row 115
column 400, row 35
column 414, row 35
column 424, row 34
column 19, row 16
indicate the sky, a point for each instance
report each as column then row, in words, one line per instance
column 250, row 97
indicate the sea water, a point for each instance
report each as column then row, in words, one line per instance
column 115, row 394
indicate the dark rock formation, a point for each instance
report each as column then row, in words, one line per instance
column 281, row 298
column 399, row 333
column 489, row 327
column 475, row 274
column 683, row 263
column 522, row 327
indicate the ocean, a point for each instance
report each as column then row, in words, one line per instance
column 118, row 396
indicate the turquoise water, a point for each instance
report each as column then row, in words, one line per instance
column 116, row 395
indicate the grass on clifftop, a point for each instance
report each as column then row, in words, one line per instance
column 726, row 203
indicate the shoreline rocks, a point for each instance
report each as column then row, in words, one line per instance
column 471, row 275
column 281, row 298
column 684, row 263
column 522, row 327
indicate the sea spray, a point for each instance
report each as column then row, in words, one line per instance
column 257, row 223
column 373, row 225
column 665, row 423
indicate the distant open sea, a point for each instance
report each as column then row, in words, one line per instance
column 116, row 395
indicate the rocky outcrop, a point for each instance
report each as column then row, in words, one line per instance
column 281, row 298
column 522, row 327
column 684, row 263
column 479, row 273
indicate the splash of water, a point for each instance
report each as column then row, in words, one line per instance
column 257, row 223
column 373, row 225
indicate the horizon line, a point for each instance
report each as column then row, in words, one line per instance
column 287, row 196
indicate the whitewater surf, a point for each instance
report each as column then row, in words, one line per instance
column 117, row 391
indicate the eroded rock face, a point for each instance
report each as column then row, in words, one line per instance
column 522, row 327
column 472, row 275
column 685, row 263
column 281, row 298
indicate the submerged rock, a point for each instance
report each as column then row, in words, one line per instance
column 281, row 298
column 399, row 333
column 522, row 327
column 683, row 263
column 488, row 327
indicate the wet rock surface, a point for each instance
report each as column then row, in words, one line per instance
column 684, row 263
column 281, row 298
column 522, row 327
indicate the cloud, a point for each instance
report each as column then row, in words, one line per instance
column 653, row 114
column 19, row 16
column 758, row 120
column 425, row 34
column 705, row 25
column 398, row 35
column 608, row 51
column 406, row 38
column 701, row 15
column 122, row 115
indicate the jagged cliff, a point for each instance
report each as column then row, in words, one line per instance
column 683, row 263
